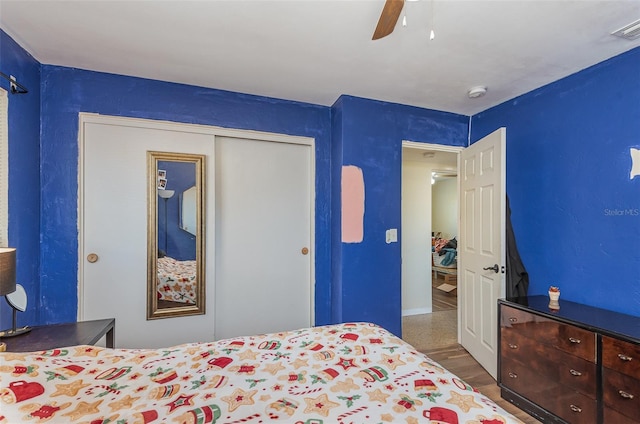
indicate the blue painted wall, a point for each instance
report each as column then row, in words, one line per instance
column 24, row 174
column 66, row 92
column 575, row 210
column 369, row 134
column 376, row 148
column 568, row 163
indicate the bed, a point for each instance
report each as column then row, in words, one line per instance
column 176, row 280
column 345, row 373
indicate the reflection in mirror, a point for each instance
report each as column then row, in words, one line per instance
column 175, row 241
column 188, row 210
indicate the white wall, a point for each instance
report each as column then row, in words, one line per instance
column 416, row 238
column 445, row 207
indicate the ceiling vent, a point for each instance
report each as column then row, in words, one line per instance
column 629, row 32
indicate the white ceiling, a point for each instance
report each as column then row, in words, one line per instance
column 316, row 50
column 443, row 160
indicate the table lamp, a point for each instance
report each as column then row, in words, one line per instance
column 14, row 293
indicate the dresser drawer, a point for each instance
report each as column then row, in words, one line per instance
column 571, row 339
column 516, row 318
column 611, row 416
column 576, row 341
column 574, row 408
column 621, row 392
column 547, row 392
column 551, row 362
column 523, row 380
column 621, row 356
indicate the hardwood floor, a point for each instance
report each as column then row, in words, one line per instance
column 441, row 300
column 457, row 360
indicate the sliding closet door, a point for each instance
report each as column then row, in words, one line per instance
column 259, row 230
column 113, row 212
column 264, row 236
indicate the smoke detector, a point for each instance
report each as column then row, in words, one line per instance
column 629, row 32
column 476, row 92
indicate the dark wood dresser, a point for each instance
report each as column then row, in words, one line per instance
column 576, row 364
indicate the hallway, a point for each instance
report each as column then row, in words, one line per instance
column 437, row 329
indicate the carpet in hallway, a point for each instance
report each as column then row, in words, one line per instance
column 428, row 331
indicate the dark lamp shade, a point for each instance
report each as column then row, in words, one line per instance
column 7, row 270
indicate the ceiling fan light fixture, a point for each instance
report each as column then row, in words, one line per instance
column 477, row 91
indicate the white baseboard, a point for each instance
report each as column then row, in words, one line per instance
column 416, row 311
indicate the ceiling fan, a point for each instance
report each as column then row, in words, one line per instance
column 388, row 18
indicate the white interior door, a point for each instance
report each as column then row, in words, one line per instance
column 481, row 246
column 264, row 236
column 113, row 217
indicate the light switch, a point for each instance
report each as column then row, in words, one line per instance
column 392, row 235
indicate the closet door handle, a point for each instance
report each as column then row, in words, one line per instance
column 575, row 373
column 574, row 340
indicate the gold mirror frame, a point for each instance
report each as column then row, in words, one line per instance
column 155, row 188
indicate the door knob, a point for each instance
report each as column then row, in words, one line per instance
column 305, row 250
column 495, row 268
column 92, row 257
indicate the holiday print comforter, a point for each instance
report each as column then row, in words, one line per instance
column 176, row 280
column 346, row 373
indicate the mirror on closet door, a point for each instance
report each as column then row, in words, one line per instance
column 175, row 236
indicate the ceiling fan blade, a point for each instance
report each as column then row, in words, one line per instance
column 388, row 18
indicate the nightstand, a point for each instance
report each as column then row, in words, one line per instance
column 46, row 337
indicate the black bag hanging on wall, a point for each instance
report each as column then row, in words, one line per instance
column 517, row 281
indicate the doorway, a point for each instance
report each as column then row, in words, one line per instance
column 444, row 238
column 429, row 214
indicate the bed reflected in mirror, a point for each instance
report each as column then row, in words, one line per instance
column 175, row 241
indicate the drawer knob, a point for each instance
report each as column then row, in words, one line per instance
column 513, row 375
column 575, row 408
column 574, row 340
column 624, row 357
column 575, row 373
column 625, row 395
column 513, row 346
column 512, row 319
